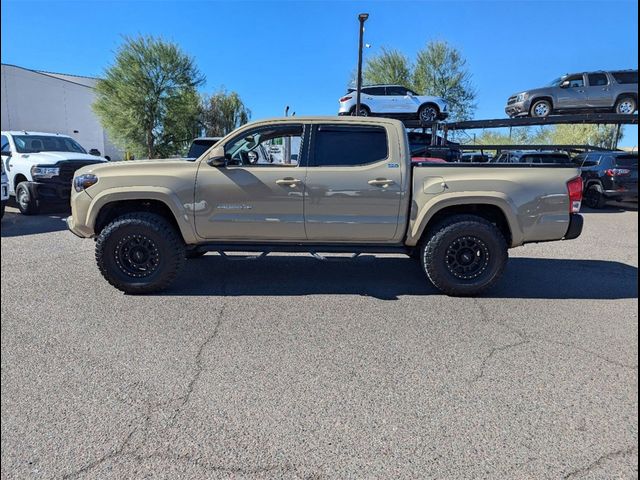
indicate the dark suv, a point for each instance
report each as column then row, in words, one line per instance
column 608, row 176
column 533, row 156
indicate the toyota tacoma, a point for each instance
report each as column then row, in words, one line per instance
column 320, row 184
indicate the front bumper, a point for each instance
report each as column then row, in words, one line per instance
column 51, row 192
column 576, row 222
column 518, row 109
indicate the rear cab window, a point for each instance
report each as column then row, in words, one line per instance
column 348, row 145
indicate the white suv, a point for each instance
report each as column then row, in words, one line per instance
column 396, row 101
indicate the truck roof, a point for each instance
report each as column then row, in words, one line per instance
column 330, row 119
column 28, row 132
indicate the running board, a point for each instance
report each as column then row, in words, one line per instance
column 314, row 249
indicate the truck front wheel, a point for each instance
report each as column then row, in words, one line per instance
column 26, row 199
column 139, row 253
column 464, row 255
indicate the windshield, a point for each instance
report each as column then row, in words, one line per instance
column 555, row 82
column 46, row 143
column 198, row 147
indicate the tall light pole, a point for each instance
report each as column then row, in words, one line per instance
column 362, row 18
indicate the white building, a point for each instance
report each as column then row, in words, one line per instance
column 53, row 102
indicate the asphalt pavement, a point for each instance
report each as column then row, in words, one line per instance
column 290, row 367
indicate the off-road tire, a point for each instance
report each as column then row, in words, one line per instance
column 541, row 109
column 593, row 197
column 25, row 199
column 167, row 252
column 491, row 256
column 626, row 105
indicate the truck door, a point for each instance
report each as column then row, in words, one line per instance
column 353, row 185
column 258, row 194
column 599, row 94
column 572, row 93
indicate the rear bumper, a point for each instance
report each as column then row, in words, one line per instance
column 622, row 195
column 576, row 222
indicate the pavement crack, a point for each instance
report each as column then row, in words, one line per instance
column 183, row 400
column 580, row 472
column 522, row 339
column 118, row 451
column 590, row 352
column 492, row 352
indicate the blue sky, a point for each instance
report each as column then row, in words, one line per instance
column 301, row 53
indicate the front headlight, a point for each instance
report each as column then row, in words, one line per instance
column 521, row 97
column 38, row 172
column 82, row 182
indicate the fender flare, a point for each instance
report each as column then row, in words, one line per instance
column 420, row 219
column 161, row 194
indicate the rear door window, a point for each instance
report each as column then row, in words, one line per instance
column 598, row 80
column 348, row 145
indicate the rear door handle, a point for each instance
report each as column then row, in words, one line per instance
column 289, row 181
column 380, row 182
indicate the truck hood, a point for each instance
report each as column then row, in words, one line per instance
column 55, row 157
column 135, row 167
column 533, row 91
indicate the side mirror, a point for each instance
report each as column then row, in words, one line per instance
column 409, row 94
column 216, row 157
column 565, row 84
column 6, row 153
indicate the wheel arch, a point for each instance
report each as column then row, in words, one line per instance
column 541, row 97
column 494, row 210
column 633, row 95
column 108, row 205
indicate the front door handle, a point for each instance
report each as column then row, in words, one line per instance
column 289, row 181
column 380, row 182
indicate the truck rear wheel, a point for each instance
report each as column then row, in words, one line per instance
column 140, row 253
column 26, row 199
column 464, row 255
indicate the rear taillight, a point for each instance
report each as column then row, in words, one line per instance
column 617, row 172
column 344, row 99
column 574, row 187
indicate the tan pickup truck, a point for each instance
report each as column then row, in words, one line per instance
column 320, row 184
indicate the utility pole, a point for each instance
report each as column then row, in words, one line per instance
column 362, row 18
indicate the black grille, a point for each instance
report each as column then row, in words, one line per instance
column 69, row 167
column 511, row 100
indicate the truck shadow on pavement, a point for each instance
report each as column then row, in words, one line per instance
column 388, row 278
column 14, row 224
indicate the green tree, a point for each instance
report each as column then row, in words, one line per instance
column 147, row 100
column 223, row 112
column 439, row 70
column 596, row 135
column 390, row 66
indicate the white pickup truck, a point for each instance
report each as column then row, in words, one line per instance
column 40, row 167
